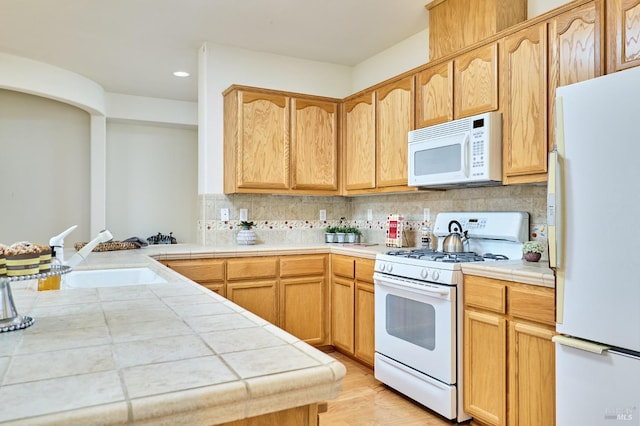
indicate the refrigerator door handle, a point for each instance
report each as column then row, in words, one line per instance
column 580, row 344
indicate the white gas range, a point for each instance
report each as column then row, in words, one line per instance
column 419, row 307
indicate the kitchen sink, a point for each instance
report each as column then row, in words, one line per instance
column 94, row 278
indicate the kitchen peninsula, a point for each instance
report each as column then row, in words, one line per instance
column 171, row 353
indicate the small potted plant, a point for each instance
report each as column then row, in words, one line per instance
column 330, row 234
column 340, row 234
column 532, row 250
column 246, row 236
column 353, row 234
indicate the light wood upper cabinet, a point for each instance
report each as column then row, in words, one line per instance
column 434, row 95
column 576, row 51
column 256, row 141
column 455, row 24
column 314, row 144
column 623, row 34
column 476, row 81
column 524, row 141
column 279, row 142
column 394, row 119
column 360, row 142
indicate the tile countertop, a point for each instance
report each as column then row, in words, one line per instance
column 536, row 273
column 171, row 353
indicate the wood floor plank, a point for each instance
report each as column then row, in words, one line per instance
column 364, row 401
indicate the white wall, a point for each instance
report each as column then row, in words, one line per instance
column 44, row 169
column 538, row 7
column 151, row 180
column 404, row 56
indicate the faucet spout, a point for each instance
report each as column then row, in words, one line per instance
column 81, row 255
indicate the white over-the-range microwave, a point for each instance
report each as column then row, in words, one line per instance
column 462, row 152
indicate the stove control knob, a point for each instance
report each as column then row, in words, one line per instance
column 389, row 267
column 435, row 275
column 424, row 273
column 382, row 267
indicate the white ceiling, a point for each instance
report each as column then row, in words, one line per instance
column 133, row 46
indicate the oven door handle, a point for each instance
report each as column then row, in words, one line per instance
column 401, row 285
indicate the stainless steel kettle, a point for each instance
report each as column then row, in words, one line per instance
column 454, row 242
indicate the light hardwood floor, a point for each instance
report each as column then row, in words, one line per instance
column 364, row 401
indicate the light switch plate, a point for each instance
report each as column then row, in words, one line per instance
column 369, row 214
column 224, row 214
column 427, row 214
column 323, row 214
column 243, row 215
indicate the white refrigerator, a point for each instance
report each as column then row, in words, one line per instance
column 594, row 247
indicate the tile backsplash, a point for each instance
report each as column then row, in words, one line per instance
column 296, row 219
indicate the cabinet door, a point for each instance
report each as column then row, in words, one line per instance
column 314, row 145
column 434, row 95
column 303, row 308
column 531, row 375
column 342, row 314
column 525, row 148
column 364, row 322
column 257, row 296
column 304, row 297
column 360, row 142
column 623, row 28
column 208, row 273
column 394, row 119
column 263, row 141
column 485, row 367
column 476, row 81
column 576, row 51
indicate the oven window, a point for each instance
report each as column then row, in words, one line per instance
column 412, row 321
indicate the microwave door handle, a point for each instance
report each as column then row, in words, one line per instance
column 465, row 155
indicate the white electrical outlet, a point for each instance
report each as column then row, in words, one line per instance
column 369, row 214
column 224, row 214
column 323, row 214
column 427, row 214
column 243, row 215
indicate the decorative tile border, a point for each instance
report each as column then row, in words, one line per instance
column 266, row 225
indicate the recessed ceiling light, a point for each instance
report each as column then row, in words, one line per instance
column 181, row 74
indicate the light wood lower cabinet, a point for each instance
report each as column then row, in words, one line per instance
column 288, row 291
column 252, row 283
column 509, row 359
column 304, row 302
column 352, row 307
column 209, row 273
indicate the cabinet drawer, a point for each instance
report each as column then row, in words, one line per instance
column 199, row 270
column 535, row 304
column 364, row 269
column 252, row 267
column 484, row 293
column 343, row 266
column 295, row 266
